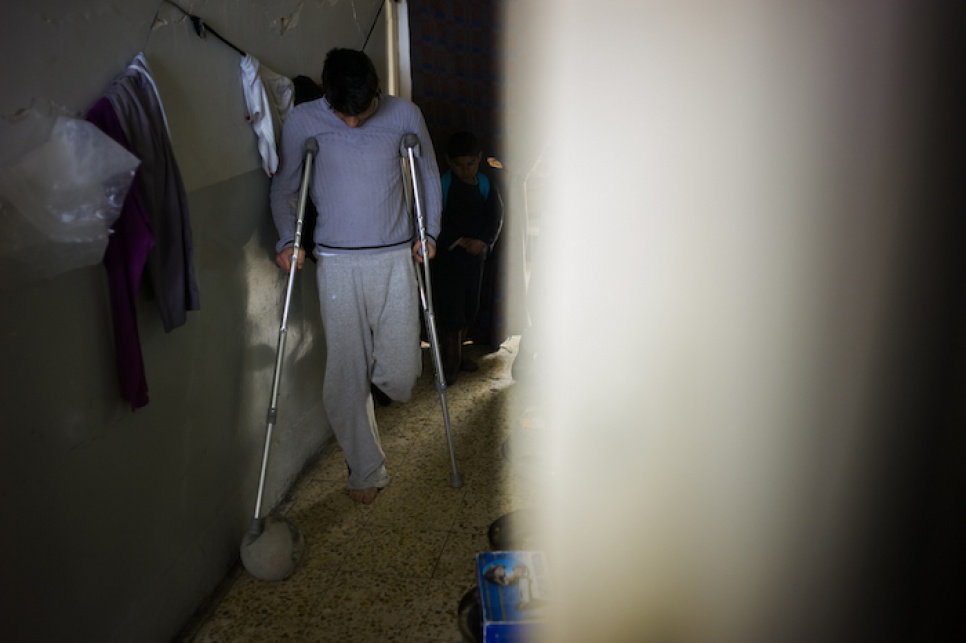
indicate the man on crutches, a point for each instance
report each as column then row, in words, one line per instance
column 364, row 245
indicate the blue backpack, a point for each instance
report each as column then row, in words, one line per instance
column 447, row 179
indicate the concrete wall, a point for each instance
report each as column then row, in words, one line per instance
column 119, row 523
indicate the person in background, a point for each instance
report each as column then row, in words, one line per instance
column 471, row 224
column 364, row 244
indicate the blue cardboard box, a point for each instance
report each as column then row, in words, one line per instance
column 514, row 594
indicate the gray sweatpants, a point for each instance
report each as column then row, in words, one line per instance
column 370, row 315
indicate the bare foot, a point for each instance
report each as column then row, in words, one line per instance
column 365, row 496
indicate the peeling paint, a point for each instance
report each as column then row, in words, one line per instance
column 63, row 110
column 290, row 21
column 18, row 115
column 23, row 114
column 68, row 19
column 171, row 16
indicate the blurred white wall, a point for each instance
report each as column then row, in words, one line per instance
column 730, row 254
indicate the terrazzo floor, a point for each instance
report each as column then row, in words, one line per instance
column 395, row 570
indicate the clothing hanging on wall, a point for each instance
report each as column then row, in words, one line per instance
column 269, row 97
column 170, row 267
column 152, row 235
column 126, row 255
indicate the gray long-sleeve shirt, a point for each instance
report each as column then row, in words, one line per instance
column 357, row 181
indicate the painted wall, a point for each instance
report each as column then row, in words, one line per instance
column 120, row 523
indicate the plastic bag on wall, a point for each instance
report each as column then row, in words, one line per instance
column 58, row 201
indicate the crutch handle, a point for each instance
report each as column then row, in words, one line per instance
column 410, row 142
column 311, row 147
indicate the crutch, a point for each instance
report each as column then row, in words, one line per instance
column 410, row 145
column 273, row 545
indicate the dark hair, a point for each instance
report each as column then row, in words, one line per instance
column 463, row 144
column 349, row 81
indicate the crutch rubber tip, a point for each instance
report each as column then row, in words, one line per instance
column 275, row 552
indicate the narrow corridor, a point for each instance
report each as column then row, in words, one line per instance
column 395, row 570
